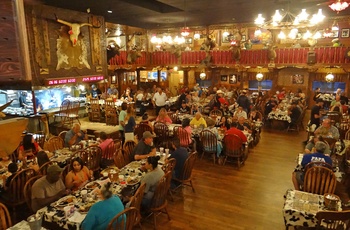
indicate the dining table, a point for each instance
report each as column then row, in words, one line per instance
column 70, row 211
column 300, row 208
column 23, row 225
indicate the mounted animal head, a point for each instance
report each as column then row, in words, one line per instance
column 74, row 30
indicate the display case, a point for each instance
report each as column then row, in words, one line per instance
column 22, row 102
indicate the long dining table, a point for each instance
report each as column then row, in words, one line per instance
column 70, row 211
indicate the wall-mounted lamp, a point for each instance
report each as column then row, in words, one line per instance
column 176, row 68
column 329, row 77
column 259, row 76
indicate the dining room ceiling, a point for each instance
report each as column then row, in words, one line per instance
column 153, row 14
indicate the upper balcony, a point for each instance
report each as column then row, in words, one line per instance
column 284, row 56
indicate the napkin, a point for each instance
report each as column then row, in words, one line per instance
column 77, row 217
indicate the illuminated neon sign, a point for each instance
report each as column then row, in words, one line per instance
column 74, row 80
column 93, row 78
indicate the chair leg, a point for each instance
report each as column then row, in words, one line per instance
column 166, row 211
column 155, row 220
column 192, row 186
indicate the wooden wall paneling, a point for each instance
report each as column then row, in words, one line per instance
column 46, row 42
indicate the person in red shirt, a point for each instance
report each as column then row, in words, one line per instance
column 234, row 130
column 29, row 147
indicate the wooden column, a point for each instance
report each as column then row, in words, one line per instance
column 138, row 78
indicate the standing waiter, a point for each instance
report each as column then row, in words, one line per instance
column 159, row 100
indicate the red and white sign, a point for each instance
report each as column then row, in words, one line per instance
column 74, row 80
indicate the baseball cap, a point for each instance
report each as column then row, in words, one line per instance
column 148, row 134
column 54, row 168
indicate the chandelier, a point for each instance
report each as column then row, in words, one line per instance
column 202, row 75
column 259, row 76
column 185, row 32
column 289, row 23
column 338, row 6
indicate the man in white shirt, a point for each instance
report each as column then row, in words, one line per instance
column 159, row 100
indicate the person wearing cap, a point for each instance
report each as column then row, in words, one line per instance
column 95, row 92
column 294, row 112
column 144, row 148
column 48, row 189
column 315, row 113
column 221, row 98
column 318, row 156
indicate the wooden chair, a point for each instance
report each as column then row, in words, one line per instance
column 5, row 217
column 119, row 160
column 28, row 191
column 216, row 113
column 347, row 135
column 40, row 138
column 159, row 201
column 108, row 155
column 111, row 113
column 295, row 126
column 62, row 114
column 233, row 149
column 14, row 195
column 186, row 176
column 319, row 180
column 95, row 110
column 162, row 132
column 62, row 135
column 333, row 220
column 183, row 135
column 316, row 163
column 136, row 200
column 124, row 220
column 91, row 157
column 73, row 113
column 43, row 168
column 209, row 143
column 169, row 166
column 128, row 147
column 53, row 144
column 140, row 129
column 331, row 142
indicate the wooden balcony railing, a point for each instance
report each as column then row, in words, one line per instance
column 284, row 56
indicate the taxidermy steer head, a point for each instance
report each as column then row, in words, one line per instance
column 74, row 29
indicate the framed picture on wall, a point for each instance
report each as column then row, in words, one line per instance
column 234, row 78
column 298, row 79
column 188, row 40
column 114, row 79
column 345, row 33
column 223, row 77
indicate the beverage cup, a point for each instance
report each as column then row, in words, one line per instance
column 121, row 178
column 166, row 151
column 161, row 149
column 83, row 194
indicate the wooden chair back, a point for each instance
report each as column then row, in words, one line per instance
column 91, row 157
column 233, row 145
column 40, row 138
column 316, row 163
column 209, row 142
column 62, row 135
column 140, row 129
column 183, row 135
column 64, row 108
column 119, row 160
column 185, row 177
column 28, row 191
column 331, row 142
column 136, row 200
column 128, row 147
column 111, row 113
column 159, row 200
column 53, row 144
column 108, row 152
column 215, row 113
column 5, row 217
column 124, row 220
column 162, row 132
column 347, row 135
column 319, row 180
column 16, row 187
column 95, row 110
column 333, row 220
column 43, row 168
column 169, row 166
column 73, row 113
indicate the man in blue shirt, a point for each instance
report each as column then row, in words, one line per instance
column 74, row 136
column 298, row 176
column 180, row 155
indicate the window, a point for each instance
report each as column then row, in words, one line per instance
column 328, row 87
column 265, row 85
